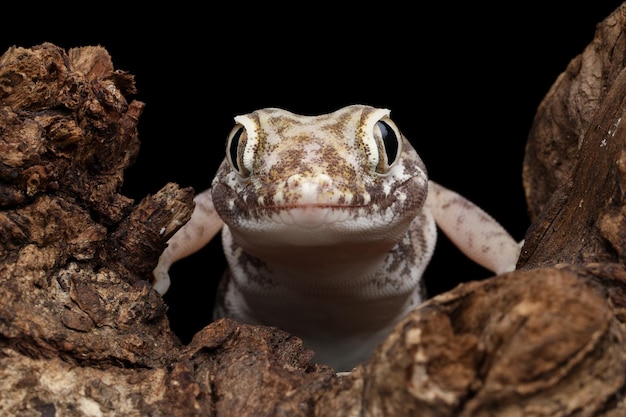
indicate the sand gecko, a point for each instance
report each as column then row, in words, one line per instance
column 328, row 223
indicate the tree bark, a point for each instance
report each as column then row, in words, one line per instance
column 82, row 333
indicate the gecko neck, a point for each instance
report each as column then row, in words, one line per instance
column 348, row 269
column 349, row 283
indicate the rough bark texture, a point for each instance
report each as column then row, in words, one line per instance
column 83, row 334
column 574, row 168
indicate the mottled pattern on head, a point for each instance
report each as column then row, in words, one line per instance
column 285, row 161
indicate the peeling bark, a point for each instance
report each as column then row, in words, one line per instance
column 82, row 332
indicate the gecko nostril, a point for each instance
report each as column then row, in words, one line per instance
column 294, row 181
column 323, row 181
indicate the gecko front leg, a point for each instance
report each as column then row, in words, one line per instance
column 203, row 225
column 478, row 235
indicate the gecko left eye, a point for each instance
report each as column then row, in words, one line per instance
column 235, row 146
column 389, row 142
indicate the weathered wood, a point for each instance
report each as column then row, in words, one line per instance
column 574, row 168
column 564, row 116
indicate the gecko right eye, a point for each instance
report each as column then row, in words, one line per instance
column 388, row 141
column 235, row 146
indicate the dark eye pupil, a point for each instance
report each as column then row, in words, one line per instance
column 390, row 141
column 234, row 148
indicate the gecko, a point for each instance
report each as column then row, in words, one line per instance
column 327, row 225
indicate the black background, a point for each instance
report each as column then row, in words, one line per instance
column 463, row 82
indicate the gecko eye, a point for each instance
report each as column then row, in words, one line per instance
column 235, row 146
column 389, row 142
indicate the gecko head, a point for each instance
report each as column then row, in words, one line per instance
column 291, row 179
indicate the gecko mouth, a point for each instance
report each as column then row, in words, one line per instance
column 316, row 222
column 359, row 214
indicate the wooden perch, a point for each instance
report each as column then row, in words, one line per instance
column 82, row 333
column 574, row 168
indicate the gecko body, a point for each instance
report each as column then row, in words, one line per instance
column 327, row 224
